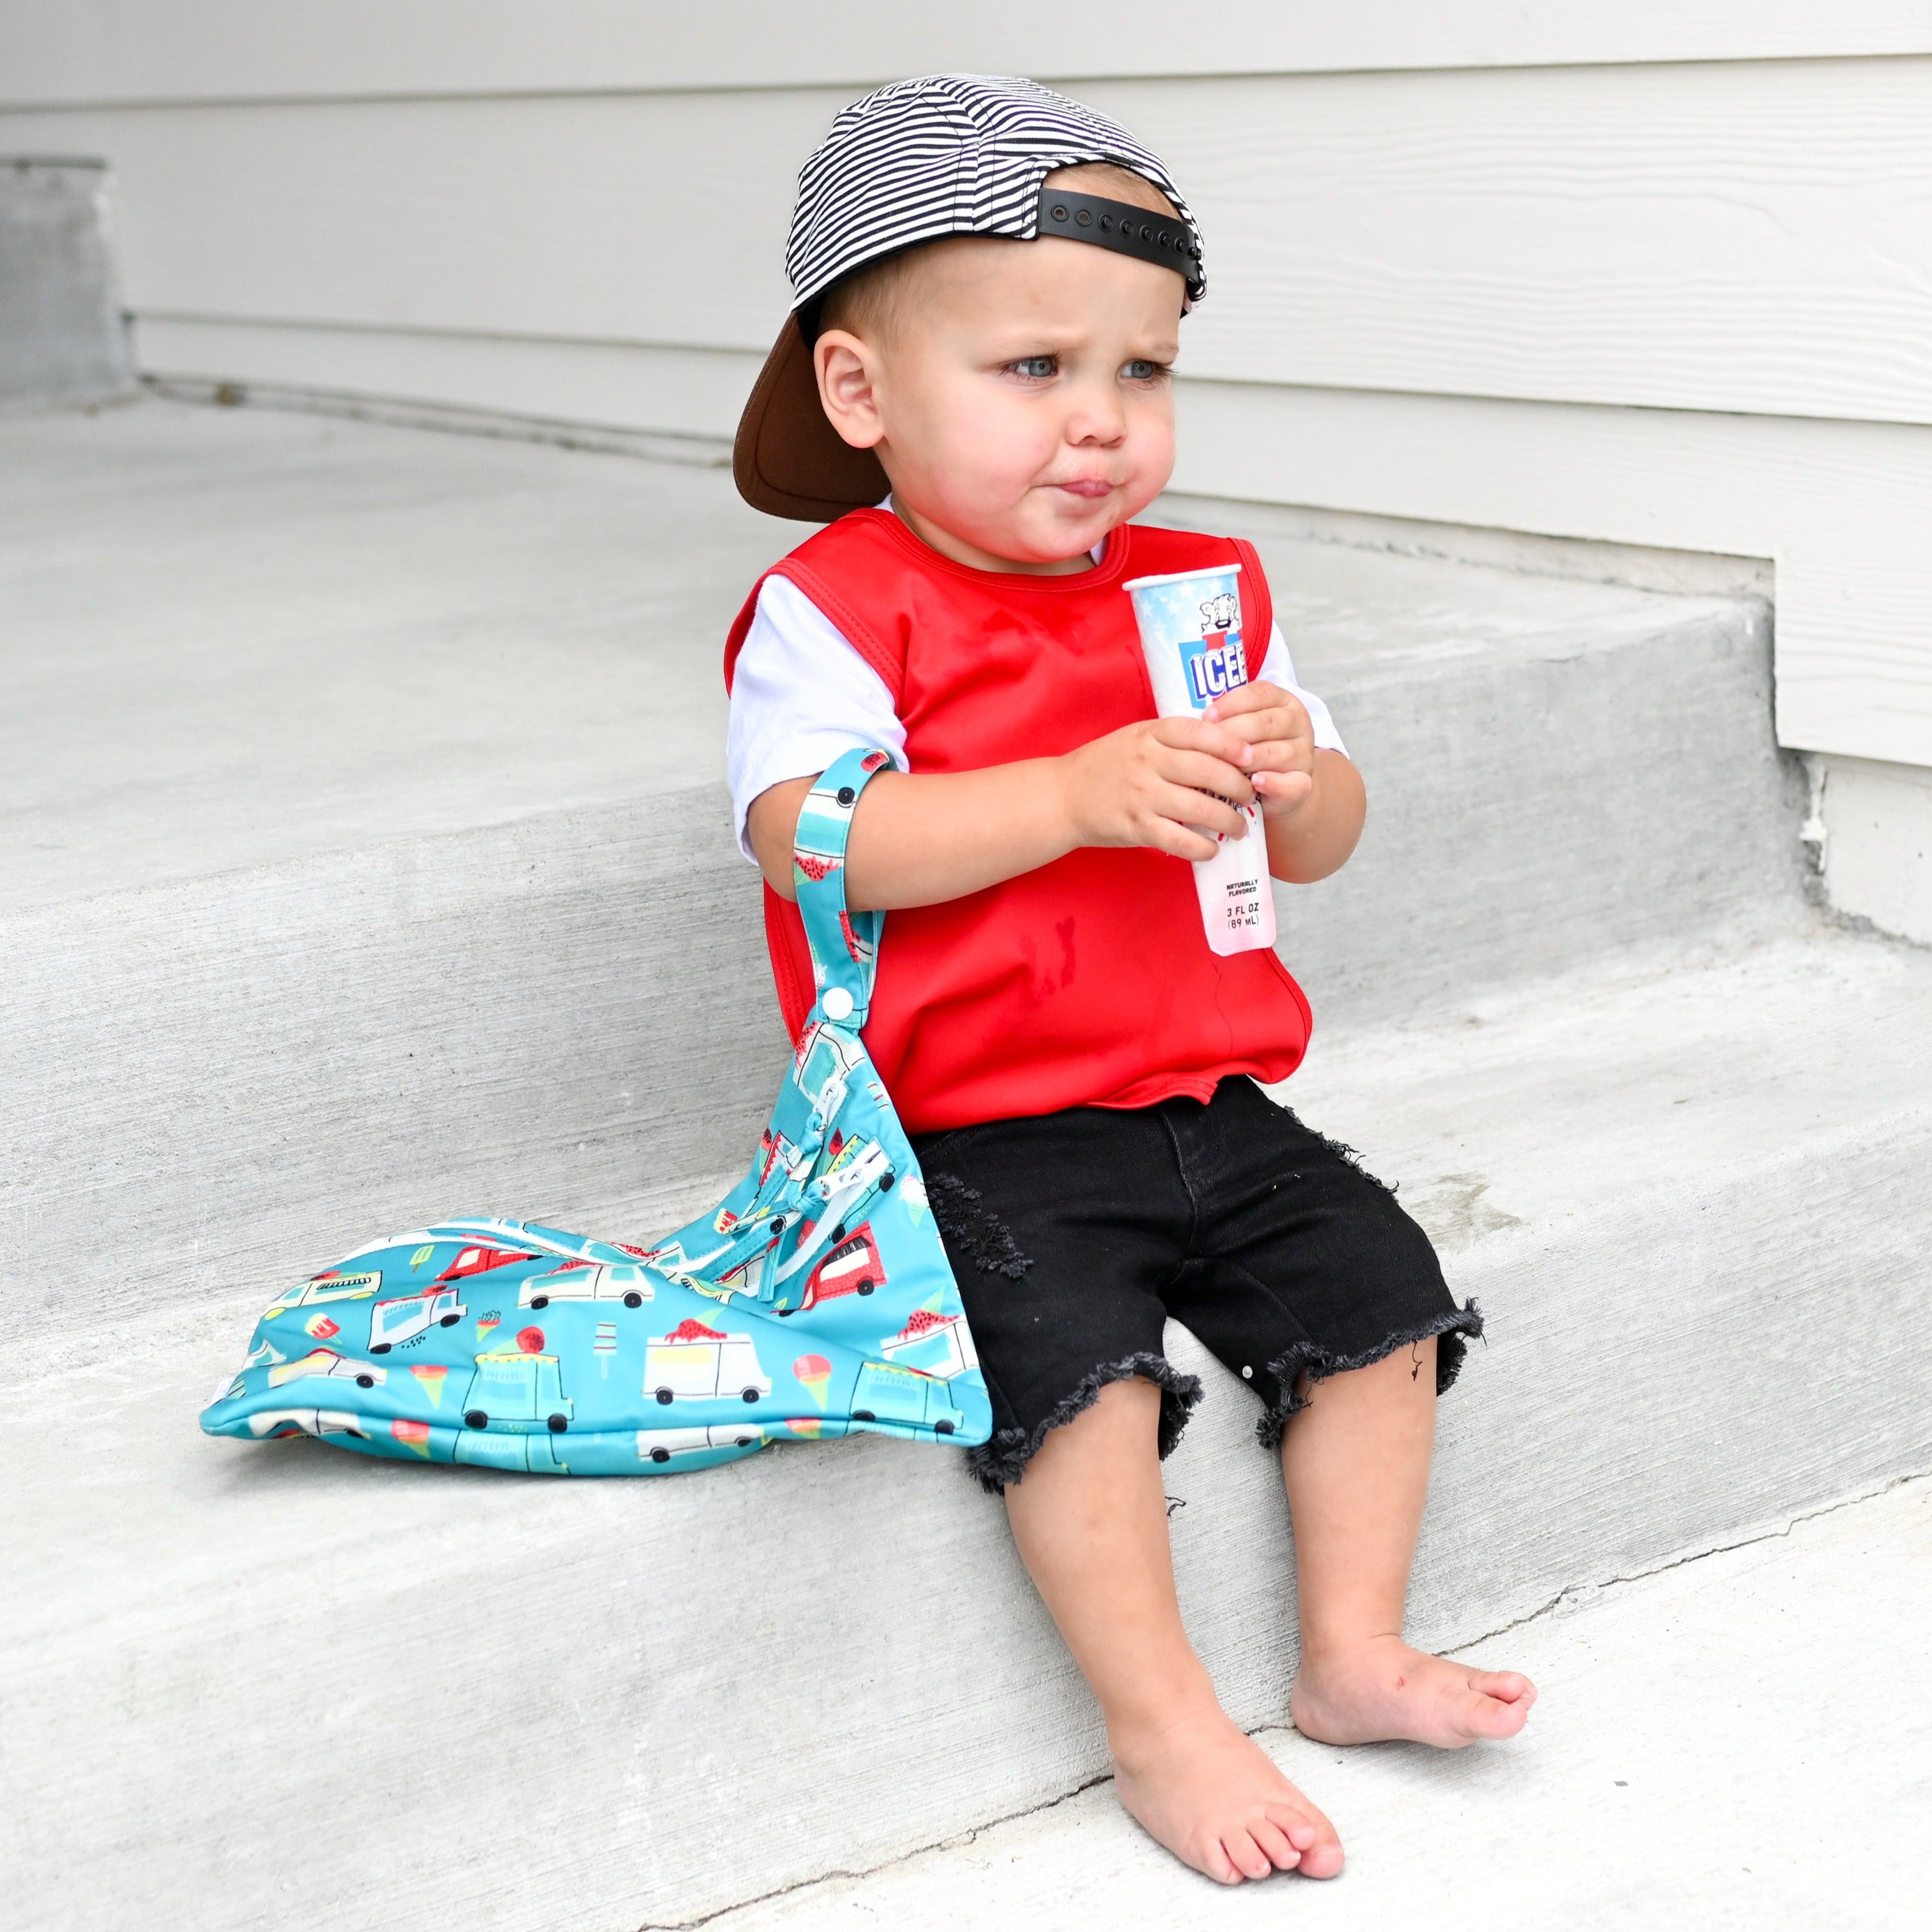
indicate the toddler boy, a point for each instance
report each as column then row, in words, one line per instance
column 991, row 283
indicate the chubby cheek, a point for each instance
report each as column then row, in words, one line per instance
column 1149, row 449
column 991, row 452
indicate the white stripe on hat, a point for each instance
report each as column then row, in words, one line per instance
column 949, row 154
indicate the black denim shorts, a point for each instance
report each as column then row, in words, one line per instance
column 1075, row 1237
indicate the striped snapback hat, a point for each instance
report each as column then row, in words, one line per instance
column 920, row 161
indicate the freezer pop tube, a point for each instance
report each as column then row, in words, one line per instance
column 1190, row 625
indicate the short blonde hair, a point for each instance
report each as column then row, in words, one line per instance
column 870, row 301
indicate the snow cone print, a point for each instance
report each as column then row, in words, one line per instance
column 814, row 1374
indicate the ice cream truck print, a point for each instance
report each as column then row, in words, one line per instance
column 823, row 1059
column 589, row 1281
column 939, row 1345
column 404, row 1319
column 852, row 1267
column 306, row 1422
column 535, row 1455
column 480, row 1261
column 516, row 1394
column 664, row 1445
column 887, row 1394
column 695, row 1364
column 330, row 1287
column 327, row 1362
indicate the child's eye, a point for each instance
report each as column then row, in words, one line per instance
column 1142, row 371
column 1037, row 367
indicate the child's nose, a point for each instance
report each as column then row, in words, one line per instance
column 1097, row 418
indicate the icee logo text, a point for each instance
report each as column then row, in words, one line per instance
column 1216, row 666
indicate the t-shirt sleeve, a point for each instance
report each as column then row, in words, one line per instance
column 800, row 695
column 1278, row 667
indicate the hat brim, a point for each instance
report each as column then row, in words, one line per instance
column 788, row 459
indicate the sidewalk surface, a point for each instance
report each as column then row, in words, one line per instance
column 1742, row 1741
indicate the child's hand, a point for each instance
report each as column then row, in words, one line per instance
column 1277, row 743
column 1148, row 784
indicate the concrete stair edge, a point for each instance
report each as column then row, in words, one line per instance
column 1684, row 1391
column 575, row 1006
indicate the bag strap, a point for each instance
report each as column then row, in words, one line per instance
column 844, row 945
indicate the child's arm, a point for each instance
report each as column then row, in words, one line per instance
column 924, row 839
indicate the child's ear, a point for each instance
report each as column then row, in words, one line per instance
column 845, row 367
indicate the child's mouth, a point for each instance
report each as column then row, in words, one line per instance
column 1092, row 487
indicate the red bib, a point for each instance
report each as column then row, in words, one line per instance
column 1088, row 982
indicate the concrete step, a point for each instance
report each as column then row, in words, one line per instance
column 369, row 858
column 63, row 335
column 1679, row 1771
column 245, row 1685
column 1554, row 769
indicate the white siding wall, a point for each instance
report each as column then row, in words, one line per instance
column 1640, row 273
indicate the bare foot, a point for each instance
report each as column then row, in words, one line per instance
column 1214, row 1799
column 1385, row 1688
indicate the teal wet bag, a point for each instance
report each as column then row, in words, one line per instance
column 814, row 1301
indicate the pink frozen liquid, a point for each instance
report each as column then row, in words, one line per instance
column 1190, row 625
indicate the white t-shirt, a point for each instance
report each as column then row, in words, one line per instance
column 801, row 694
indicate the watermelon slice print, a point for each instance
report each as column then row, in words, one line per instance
column 857, row 947
column 817, row 866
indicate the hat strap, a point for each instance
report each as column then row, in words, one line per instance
column 1164, row 241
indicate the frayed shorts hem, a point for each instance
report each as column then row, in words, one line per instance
column 1454, row 1330
column 1003, row 1458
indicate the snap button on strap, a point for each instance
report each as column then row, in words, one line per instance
column 838, row 1003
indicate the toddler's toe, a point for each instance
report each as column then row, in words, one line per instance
column 1283, row 1853
column 1508, row 1687
column 1245, row 1854
column 1497, row 1704
column 1212, row 1858
column 1314, row 1838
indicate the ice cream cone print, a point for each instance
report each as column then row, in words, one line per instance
column 805, row 1425
column 814, row 1377
column 412, row 1435
column 487, row 1325
column 432, row 1380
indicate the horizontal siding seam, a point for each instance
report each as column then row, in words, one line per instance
column 852, row 85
